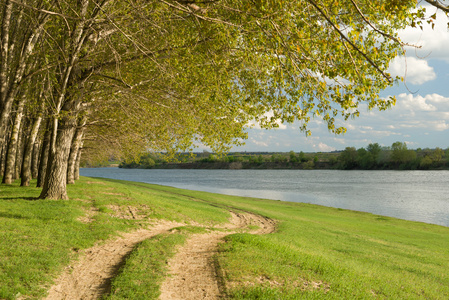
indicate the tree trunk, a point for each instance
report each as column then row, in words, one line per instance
column 2, row 159
column 55, row 185
column 23, row 136
column 5, row 103
column 67, row 106
column 35, row 161
column 27, row 155
column 74, row 150
column 12, row 145
column 11, row 75
column 78, row 160
column 43, row 161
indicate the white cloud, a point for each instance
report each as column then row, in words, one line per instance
column 259, row 143
column 438, row 99
column 428, row 103
column 349, row 126
column 412, row 114
column 434, row 42
column 340, row 140
column 383, row 133
column 323, row 147
column 415, row 103
column 415, row 71
column 440, row 125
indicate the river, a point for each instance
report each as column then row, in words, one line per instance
column 411, row 195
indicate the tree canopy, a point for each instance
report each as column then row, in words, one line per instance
column 165, row 75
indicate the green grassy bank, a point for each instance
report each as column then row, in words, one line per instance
column 316, row 252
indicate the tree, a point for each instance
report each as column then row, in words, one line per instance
column 375, row 150
column 400, row 155
column 21, row 31
column 292, row 157
column 302, row 157
column 348, row 158
column 437, row 154
column 365, row 159
column 199, row 71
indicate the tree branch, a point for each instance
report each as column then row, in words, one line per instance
column 43, row 10
column 439, row 5
column 343, row 36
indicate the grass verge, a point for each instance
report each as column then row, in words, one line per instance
column 317, row 252
column 144, row 270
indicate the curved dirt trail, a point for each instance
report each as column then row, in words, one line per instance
column 192, row 274
column 192, row 270
column 90, row 277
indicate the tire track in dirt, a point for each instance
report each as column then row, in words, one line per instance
column 90, row 277
column 192, row 268
column 192, row 272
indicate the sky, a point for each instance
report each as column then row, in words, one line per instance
column 420, row 117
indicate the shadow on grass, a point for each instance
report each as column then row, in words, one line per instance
column 13, row 216
column 20, row 198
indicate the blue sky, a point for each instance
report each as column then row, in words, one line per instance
column 420, row 117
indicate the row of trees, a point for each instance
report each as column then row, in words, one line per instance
column 232, row 160
column 372, row 157
column 122, row 76
column 398, row 156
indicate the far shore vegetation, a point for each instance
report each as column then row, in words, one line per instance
column 316, row 252
column 373, row 157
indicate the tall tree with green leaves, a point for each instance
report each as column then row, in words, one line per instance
column 169, row 74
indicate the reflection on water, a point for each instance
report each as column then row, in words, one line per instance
column 412, row 195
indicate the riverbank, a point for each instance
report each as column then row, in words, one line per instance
column 374, row 157
column 316, row 252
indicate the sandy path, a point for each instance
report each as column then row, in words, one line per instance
column 192, row 270
column 90, row 277
column 192, row 274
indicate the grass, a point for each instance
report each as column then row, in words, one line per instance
column 38, row 238
column 144, row 270
column 317, row 252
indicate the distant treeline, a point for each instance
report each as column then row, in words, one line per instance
column 373, row 157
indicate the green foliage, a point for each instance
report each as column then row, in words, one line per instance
column 302, row 157
column 256, row 159
column 145, row 161
column 396, row 157
column 437, row 155
column 372, row 157
column 148, row 162
column 375, row 150
column 348, row 158
column 308, row 165
column 425, row 163
column 402, row 157
column 293, row 158
column 278, row 158
column 365, row 159
column 199, row 73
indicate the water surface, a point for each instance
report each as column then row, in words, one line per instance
column 411, row 195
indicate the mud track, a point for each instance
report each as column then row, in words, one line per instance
column 192, row 272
